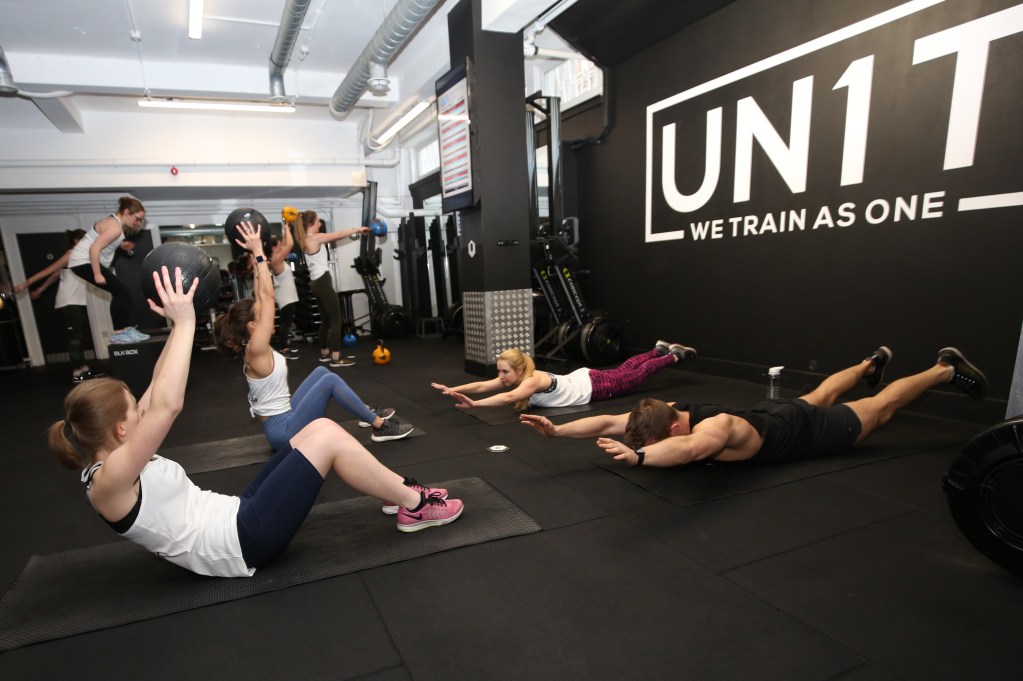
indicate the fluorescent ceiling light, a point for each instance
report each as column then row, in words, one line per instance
column 195, row 8
column 256, row 107
column 402, row 122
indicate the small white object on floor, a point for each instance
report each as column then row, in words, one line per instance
column 497, row 448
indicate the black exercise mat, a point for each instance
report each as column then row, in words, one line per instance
column 697, row 482
column 84, row 590
column 363, row 435
column 220, row 454
column 502, row 416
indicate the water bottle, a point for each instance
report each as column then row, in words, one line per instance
column 774, row 383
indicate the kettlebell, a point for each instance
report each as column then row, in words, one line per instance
column 381, row 355
column 378, row 228
column 289, row 214
column 349, row 340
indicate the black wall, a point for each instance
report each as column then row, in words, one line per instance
column 819, row 299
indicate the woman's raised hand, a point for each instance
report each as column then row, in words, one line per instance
column 175, row 302
column 251, row 239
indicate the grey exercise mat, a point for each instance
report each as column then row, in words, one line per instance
column 697, row 482
column 84, row 590
column 218, row 455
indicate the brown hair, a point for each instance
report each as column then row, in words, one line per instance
column 129, row 204
column 650, row 421
column 519, row 361
column 73, row 236
column 230, row 330
column 307, row 218
column 91, row 412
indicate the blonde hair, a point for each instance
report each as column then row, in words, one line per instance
column 521, row 363
column 92, row 411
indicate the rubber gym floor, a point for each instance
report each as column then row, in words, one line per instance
column 849, row 568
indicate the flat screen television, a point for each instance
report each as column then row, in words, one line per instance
column 457, row 135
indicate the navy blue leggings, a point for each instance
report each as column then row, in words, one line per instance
column 275, row 505
column 310, row 402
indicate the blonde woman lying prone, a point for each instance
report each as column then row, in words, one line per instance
column 526, row 387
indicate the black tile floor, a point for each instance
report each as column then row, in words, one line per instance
column 845, row 569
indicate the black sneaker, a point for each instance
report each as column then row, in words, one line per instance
column 662, row 347
column 879, row 359
column 384, row 413
column 289, row 353
column 965, row 376
column 87, row 375
column 391, row 430
column 682, row 352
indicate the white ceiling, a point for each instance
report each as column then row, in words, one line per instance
column 86, row 46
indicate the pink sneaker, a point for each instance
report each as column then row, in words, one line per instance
column 390, row 508
column 434, row 511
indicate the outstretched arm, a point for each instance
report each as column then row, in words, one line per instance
column 47, row 273
column 471, row 388
column 166, row 395
column 258, row 353
column 591, row 426
column 677, row 450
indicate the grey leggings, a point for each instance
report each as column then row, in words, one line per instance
column 330, row 312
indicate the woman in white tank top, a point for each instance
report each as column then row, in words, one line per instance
column 92, row 257
column 315, row 244
column 150, row 500
column 70, row 303
column 526, row 387
column 285, row 292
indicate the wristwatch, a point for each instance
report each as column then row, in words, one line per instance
column 639, row 456
column 260, row 258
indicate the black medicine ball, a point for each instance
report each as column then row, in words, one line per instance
column 194, row 263
column 246, row 215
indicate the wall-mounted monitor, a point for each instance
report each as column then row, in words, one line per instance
column 457, row 136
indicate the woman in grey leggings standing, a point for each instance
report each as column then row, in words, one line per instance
column 315, row 243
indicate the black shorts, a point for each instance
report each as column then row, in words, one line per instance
column 796, row 429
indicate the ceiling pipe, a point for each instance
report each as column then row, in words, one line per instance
column 287, row 35
column 9, row 89
column 399, row 25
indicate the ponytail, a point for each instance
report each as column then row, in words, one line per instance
column 231, row 329
column 305, row 219
column 92, row 411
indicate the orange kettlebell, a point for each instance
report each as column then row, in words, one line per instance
column 381, row 355
column 289, row 214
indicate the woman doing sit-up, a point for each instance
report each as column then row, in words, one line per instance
column 247, row 328
column 150, row 500
column 526, row 387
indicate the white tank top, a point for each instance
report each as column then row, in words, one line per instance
column 565, row 391
column 80, row 253
column 317, row 262
column 70, row 290
column 270, row 396
column 285, row 292
column 194, row 528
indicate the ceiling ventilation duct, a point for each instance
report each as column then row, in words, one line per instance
column 9, row 89
column 399, row 25
column 287, row 35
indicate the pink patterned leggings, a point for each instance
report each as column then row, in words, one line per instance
column 608, row 383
